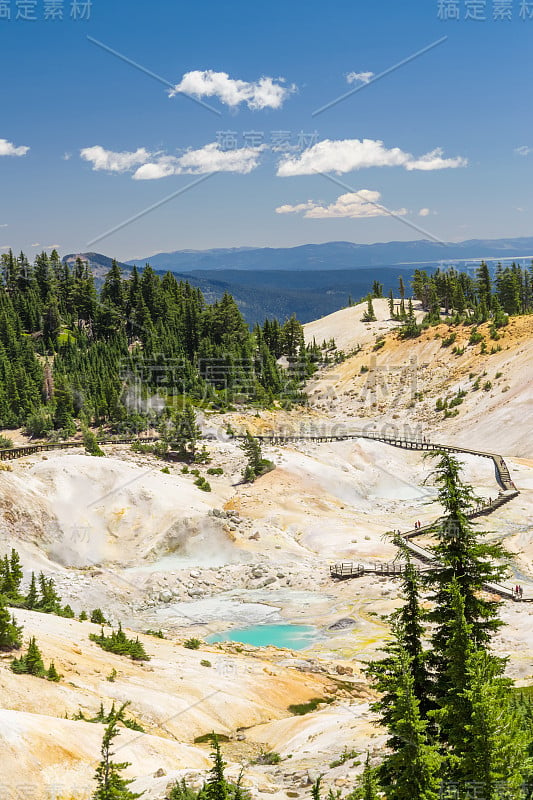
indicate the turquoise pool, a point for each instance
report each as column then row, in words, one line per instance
column 295, row 637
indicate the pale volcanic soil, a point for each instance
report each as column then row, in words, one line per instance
column 155, row 552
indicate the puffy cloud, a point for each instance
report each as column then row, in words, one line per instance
column 424, row 212
column 9, row 149
column 210, row 158
column 524, row 150
column 107, row 160
column 435, row 160
column 264, row 93
column 354, row 205
column 162, row 167
column 347, row 155
column 148, row 166
column 359, row 77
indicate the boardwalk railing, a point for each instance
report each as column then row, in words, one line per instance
column 349, row 569
column 12, row 453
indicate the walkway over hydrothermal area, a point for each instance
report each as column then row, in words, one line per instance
column 395, row 440
column 508, row 491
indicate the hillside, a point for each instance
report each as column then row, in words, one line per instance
column 406, row 378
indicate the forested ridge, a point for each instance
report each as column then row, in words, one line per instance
column 69, row 351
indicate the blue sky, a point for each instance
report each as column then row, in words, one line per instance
column 102, row 133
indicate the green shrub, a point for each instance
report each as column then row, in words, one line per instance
column 345, row 756
column 52, row 674
column 215, row 471
column 192, row 644
column 166, row 470
column 104, row 718
column 475, row 337
column 298, row 709
column 449, row 340
column 268, row 757
column 31, row 663
column 205, row 663
column 97, row 617
column 90, row 443
column 5, row 442
column 206, row 738
column 119, row 644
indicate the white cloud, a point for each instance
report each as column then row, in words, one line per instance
column 435, row 160
column 354, row 205
column 524, row 150
column 264, row 93
column 148, row 166
column 359, row 77
column 163, row 167
column 109, row 161
column 424, row 212
column 210, row 158
column 347, row 155
column 9, row 149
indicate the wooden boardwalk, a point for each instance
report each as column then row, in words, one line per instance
column 29, row 449
column 508, row 491
column 346, row 570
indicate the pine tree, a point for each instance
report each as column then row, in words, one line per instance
column 217, row 788
column 32, row 598
column 110, row 784
column 316, row 789
column 16, row 571
column 411, row 770
column 369, row 315
column 31, row 663
column 462, row 555
column 391, row 305
column 33, row 659
column 453, row 709
column 495, row 744
column 52, row 673
column 411, row 619
column 7, row 584
column 368, row 787
column 256, row 465
column 10, row 632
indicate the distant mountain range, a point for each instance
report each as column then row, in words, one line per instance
column 312, row 280
column 340, row 255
